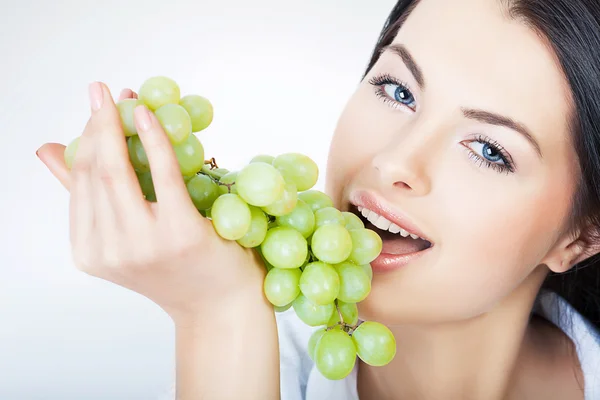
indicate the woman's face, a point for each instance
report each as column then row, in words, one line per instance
column 436, row 147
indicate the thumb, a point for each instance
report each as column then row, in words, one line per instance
column 52, row 155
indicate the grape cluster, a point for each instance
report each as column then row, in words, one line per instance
column 317, row 257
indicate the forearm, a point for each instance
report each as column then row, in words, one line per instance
column 229, row 355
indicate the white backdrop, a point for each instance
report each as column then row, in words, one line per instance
column 278, row 73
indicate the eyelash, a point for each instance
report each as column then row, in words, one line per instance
column 386, row 79
column 508, row 167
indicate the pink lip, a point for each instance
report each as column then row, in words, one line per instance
column 390, row 262
column 366, row 199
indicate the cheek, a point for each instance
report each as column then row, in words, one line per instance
column 361, row 131
column 490, row 242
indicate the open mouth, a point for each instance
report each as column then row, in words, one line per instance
column 396, row 240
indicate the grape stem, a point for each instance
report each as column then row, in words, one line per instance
column 212, row 162
column 216, row 180
column 349, row 329
column 339, row 312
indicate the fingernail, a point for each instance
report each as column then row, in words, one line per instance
column 37, row 153
column 96, row 96
column 142, row 116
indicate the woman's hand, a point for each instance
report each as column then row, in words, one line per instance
column 168, row 252
column 165, row 250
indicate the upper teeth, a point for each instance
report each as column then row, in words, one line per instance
column 384, row 224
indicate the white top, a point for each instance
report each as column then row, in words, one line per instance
column 300, row 379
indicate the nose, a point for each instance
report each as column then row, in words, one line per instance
column 406, row 164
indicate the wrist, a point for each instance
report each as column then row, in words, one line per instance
column 237, row 310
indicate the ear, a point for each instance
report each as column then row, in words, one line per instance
column 571, row 250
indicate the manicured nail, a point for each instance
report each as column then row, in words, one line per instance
column 142, row 115
column 96, row 96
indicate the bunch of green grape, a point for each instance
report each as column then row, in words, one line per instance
column 317, row 257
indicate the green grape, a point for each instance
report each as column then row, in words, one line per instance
column 320, row 283
column 187, row 178
column 268, row 266
column 175, row 121
column 190, row 155
column 335, row 354
column 366, row 246
column 328, row 215
column 352, row 221
column 220, row 172
column 260, row 184
column 368, row 270
column 284, row 248
column 297, row 169
column 283, row 308
column 375, row 343
column 231, row 216
column 158, row 91
column 285, row 204
column 355, row 285
column 147, row 185
column 126, row 108
column 137, row 154
column 312, row 342
column 71, row 151
column 258, row 229
column 200, row 111
column 203, row 191
column 310, row 313
column 229, row 178
column 331, row 244
column 263, row 158
column 315, row 199
column 349, row 313
column 301, row 219
column 281, row 286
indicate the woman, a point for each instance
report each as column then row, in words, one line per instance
column 476, row 127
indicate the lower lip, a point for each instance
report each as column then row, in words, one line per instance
column 391, row 262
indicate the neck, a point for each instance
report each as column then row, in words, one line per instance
column 471, row 359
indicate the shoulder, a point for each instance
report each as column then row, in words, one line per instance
column 585, row 338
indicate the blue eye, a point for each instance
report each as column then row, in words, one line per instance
column 400, row 94
column 393, row 91
column 490, row 153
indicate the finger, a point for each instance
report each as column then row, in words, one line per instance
column 82, row 215
column 169, row 186
column 52, row 155
column 126, row 94
column 113, row 167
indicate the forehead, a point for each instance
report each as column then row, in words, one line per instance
column 474, row 55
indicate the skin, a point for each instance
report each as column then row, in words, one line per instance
column 169, row 253
column 460, row 314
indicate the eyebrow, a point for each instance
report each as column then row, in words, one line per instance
column 482, row 116
column 401, row 51
column 487, row 117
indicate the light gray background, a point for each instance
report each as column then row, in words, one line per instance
column 278, row 73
